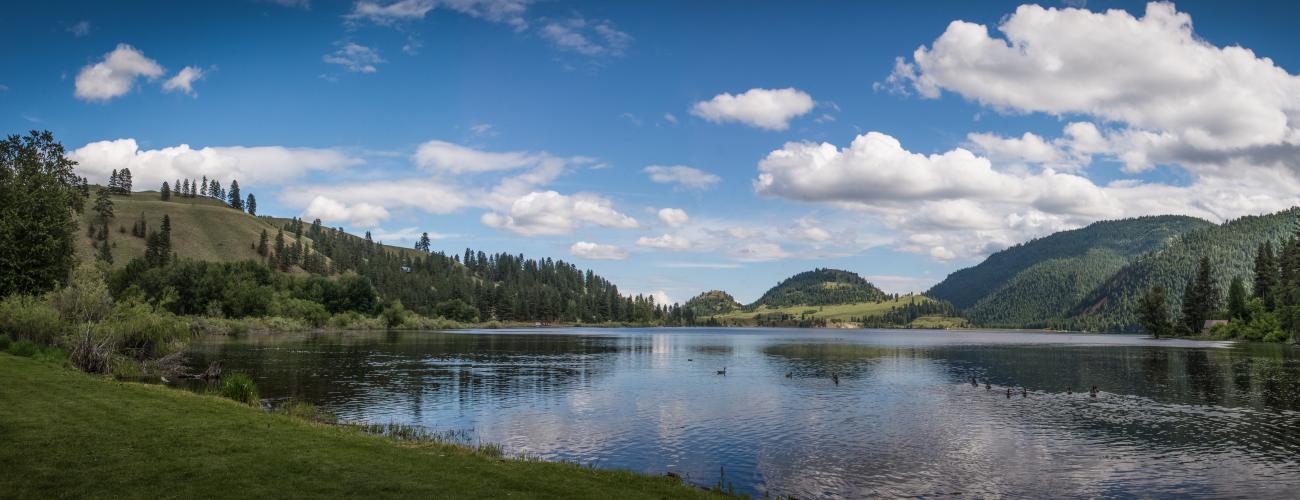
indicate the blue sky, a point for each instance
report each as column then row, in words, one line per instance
column 814, row 134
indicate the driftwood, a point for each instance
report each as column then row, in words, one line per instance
column 213, row 372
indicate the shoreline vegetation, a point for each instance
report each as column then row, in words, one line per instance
column 141, row 440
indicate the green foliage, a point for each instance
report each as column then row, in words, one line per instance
column 30, row 318
column 305, row 411
column 5, row 341
column 39, row 193
column 820, row 287
column 1237, row 308
column 312, row 313
column 240, row 387
column 143, row 333
column 1093, row 251
column 457, row 310
column 23, row 348
column 1154, row 312
column 394, row 314
column 711, row 303
column 1041, row 294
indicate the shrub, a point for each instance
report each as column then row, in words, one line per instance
column 312, row 313
column 23, row 348
column 31, row 318
column 394, row 315
column 458, row 310
column 139, row 330
column 4, row 342
column 240, row 387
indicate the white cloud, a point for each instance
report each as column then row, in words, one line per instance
column 673, row 217
column 597, row 251
column 115, row 75
column 770, row 109
column 1152, row 73
column 759, row 252
column 664, row 242
column 670, row 118
column 589, row 38
column 453, row 158
column 423, row 194
column 80, row 29
column 550, row 213
column 681, row 175
column 331, row 210
column 250, row 165
column 389, row 13
column 184, row 81
column 356, row 58
column 807, row 229
column 298, row 4
column 661, row 297
column 406, row 234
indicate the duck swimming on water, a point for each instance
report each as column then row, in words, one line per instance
column 1008, row 393
column 1093, row 392
column 988, row 386
column 835, row 377
column 1024, row 393
column 723, row 371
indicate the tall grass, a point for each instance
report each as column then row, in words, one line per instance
column 31, row 318
column 240, row 387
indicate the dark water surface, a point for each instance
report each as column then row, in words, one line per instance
column 1173, row 419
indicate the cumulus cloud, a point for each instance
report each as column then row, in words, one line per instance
column 356, row 58
column 597, row 251
column 423, row 194
column 331, row 210
column 589, row 38
column 551, row 213
column 250, row 165
column 664, row 242
column 770, row 109
column 681, row 175
column 759, row 252
column 116, row 74
column 1152, row 73
column 673, row 217
column 184, row 81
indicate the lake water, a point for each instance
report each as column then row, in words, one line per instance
column 1172, row 419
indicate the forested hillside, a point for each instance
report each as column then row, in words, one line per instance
column 1081, row 257
column 1230, row 247
column 710, row 303
column 474, row 286
column 820, row 287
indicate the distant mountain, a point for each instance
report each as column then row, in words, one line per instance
column 1231, row 248
column 820, row 287
column 711, row 303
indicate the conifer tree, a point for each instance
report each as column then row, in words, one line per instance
column 203, row 188
column 424, row 243
column 282, row 259
column 105, row 253
column 262, row 244
column 103, row 206
column 113, row 184
column 1266, row 275
column 165, row 192
column 235, row 200
column 1200, row 298
column 124, row 181
column 1237, row 300
column 251, row 204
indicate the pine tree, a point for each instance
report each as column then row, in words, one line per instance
column 1266, row 275
column 113, row 184
column 103, row 206
column 105, row 253
column 261, row 244
column 235, row 200
column 424, row 243
column 124, row 181
column 251, row 205
column 1237, row 300
column 165, row 192
column 203, row 188
column 282, row 259
column 1200, row 298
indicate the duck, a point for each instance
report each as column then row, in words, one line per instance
column 789, row 374
column 988, row 386
column 723, row 371
column 1093, row 392
column 835, row 377
column 1008, row 393
column 1069, row 390
column 1024, row 393
column 973, row 382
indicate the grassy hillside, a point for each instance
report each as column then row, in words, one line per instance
column 1231, row 248
column 830, row 312
column 67, row 434
column 820, row 287
column 1092, row 251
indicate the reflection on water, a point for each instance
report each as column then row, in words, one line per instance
column 1173, row 418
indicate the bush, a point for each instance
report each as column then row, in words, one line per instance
column 240, row 387
column 352, row 320
column 4, row 342
column 145, row 333
column 394, row 315
column 31, row 318
column 312, row 313
column 24, row 348
column 458, row 310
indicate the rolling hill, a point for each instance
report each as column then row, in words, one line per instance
column 1095, row 252
column 711, row 303
column 820, row 287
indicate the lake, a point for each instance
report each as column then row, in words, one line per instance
column 1172, row 418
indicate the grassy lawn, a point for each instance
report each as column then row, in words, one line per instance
column 832, row 312
column 66, row 434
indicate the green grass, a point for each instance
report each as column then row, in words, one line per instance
column 67, row 434
column 202, row 228
column 840, row 312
